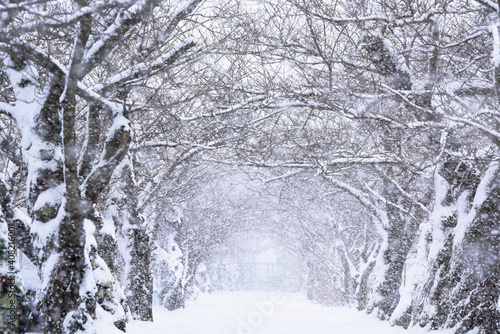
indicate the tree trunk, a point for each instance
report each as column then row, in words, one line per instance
column 138, row 271
column 12, row 297
column 55, row 204
column 386, row 296
column 462, row 290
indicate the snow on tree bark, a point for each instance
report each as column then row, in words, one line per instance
column 399, row 231
column 461, row 288
column 138, row 276
column 47, row 124
column 12, row 295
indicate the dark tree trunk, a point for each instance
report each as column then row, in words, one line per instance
column 138, row 272
column 399, row 239
column 462, row 289
column 140, row 279
column 363, row 292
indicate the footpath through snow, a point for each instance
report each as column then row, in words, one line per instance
column 262, row 313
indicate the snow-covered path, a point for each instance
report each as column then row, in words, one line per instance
column 262, row 313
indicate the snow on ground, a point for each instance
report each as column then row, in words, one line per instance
column 253, row 312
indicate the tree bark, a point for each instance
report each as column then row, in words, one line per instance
column 138, row 271
column 462, row 287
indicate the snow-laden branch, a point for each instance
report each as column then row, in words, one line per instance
column 378, row 213
column 396, row 22
column 42, row 58
column 387, row 202
column 229, row 110
column 141, row 70
column 474, row 35
column 34, row 53
column 491, row 133
column 12, row 7
column 405, row 193
column 46, row 20
column 166, row 173
column 171, row 144
column 112, row 35
column 91, row 96
column 180, row 13
column 327, row 164
column 304, row 101
column 283, row 176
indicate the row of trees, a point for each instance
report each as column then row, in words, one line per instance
column 395, row 103
column 74, row 77
column 115, row 115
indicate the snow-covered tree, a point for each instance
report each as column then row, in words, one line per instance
column 383, row 97
column 61, row 61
